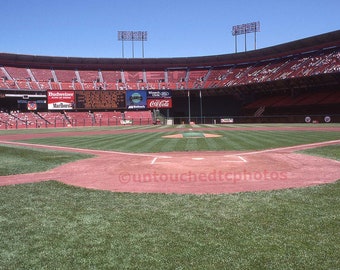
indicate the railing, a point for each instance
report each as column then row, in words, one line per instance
column 79, row 122
column 86, row 122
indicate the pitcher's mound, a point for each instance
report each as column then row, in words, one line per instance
column 192, row 135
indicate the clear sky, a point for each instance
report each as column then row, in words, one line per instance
column 176, row 28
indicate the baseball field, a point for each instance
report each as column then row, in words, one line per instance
column 171, row 197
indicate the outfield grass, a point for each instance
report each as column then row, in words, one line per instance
column 18, row 160
column 160, row 127
column 50, row 225
column 154, row 142
column 66, row 129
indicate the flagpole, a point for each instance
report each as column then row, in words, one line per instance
column 201, row 110
column 189, row 111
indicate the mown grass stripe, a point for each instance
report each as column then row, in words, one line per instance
column 143, row 142
column 229, row 140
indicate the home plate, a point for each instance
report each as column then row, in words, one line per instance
column 197, row 158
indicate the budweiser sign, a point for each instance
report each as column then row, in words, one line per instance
column 159, row 103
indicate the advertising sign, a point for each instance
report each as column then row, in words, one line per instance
column 159, row 94
column 136, row 99
column 32, row 105
column 162, row 103
column 60, row 100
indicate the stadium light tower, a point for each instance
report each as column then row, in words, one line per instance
column 244, row 29
column 132, row 36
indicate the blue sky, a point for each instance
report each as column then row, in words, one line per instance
column 176, row 28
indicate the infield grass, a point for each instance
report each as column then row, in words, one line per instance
column 233, row 140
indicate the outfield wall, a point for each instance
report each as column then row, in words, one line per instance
column 80, row 122
column 86, row 122
column 334, row 118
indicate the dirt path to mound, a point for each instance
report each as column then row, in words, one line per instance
column 187, row 172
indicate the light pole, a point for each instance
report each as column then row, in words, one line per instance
column 132, row 36
column 244, row 29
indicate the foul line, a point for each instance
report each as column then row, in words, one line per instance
column 155, row 157
column 81, row 150
column 240, row 159
column 296, row 147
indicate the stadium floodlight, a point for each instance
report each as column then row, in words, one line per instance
column 244, row 29
column 132, row 36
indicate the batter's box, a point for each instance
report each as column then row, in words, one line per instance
column 160, row 160
column 226, row 158
column 233, row 158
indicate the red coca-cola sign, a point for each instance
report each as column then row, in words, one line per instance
column 159, row 103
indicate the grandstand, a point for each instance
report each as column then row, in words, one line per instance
column 282, row 83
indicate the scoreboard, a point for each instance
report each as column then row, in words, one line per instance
column 100, row 100
column 108, row 99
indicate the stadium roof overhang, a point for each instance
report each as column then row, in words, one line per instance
column 327, row 40
column 322, row 81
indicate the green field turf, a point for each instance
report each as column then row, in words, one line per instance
column 332, row 151
column 30, row 160
column 19, row 160
column 161, row 127
column 50, row 225
column 239, row 140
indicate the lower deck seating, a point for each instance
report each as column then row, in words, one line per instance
column 139, row 117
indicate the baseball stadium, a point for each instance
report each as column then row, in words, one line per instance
column 210, row 162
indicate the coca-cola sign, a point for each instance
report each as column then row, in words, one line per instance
column 159, row 103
